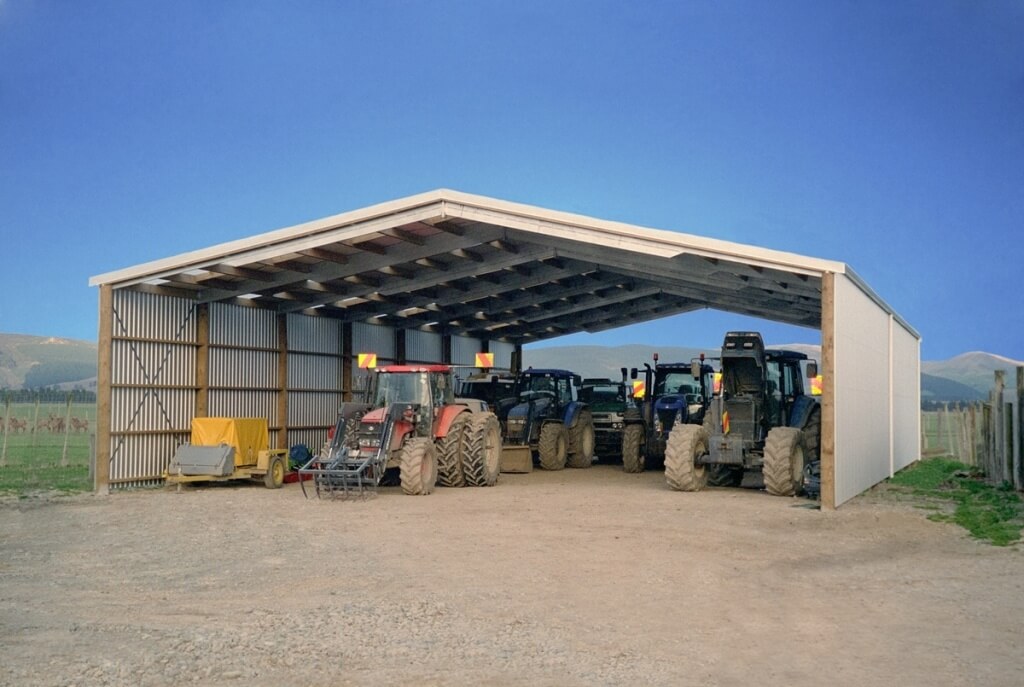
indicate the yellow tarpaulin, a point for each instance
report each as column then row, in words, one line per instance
column 248, row 435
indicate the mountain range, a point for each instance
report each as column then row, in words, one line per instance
column 32, row 362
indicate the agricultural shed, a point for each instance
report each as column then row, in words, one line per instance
column 270, row 326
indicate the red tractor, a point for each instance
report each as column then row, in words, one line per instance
column 412, row 430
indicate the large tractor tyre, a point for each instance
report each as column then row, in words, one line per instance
column 686, row 444
column 783, row 461
column 481, row 450
column 274, row 477
column 449, row 453
column 812, row 436
column 725, row 475
column 581, row 441
column 553, row 445
column 709, row 422
column 632, row 443
column 418, row 465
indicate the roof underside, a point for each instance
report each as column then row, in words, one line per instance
column 460, row 264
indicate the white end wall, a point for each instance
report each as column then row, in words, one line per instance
column 876, row 392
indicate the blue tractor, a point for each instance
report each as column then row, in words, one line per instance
column 673, row 393
column 547, row 418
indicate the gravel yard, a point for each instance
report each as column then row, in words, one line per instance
column 579, row 577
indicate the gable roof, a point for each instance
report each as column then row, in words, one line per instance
column 464, row 264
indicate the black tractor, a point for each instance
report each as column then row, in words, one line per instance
column 609, row 403
column 673, row 393
column 760, row 420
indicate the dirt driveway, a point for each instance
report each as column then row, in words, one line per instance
column 581, row 577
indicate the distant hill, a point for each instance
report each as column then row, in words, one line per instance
column 31, row 362
column 975, row 369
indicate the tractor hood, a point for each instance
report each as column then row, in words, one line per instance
column 539, row 406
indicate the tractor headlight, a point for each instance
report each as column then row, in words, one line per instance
column 515, row 426
column 616, row 425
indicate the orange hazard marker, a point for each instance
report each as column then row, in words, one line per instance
column 718, row 383
column 367, row 361
column 725, row 422
column 816, row 386
column 485, row 360
column 639, row 389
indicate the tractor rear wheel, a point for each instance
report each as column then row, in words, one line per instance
column 686, row 444
column 552, row 446
column 632, row 439
column 783, row 461
column 449, row 453
column 481, row 450
column 812, row 436
column 418, row 467
column 274, row 477
column 581, row 441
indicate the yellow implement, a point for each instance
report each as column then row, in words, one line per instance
column 224, row 448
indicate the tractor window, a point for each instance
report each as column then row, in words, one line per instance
column 676, row 383
column 773, row 391
column 401, row 388
column 794, row 381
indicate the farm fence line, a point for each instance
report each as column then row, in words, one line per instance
column 986, row 434
column 46, row 444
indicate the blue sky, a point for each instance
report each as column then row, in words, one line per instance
column 888, row 135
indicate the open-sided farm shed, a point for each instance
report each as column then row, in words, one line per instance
column 270, row 326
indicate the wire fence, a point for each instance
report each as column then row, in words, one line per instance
column 47, row 445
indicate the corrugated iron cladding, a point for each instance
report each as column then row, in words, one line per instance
column 249, row 369
column 464, row 350
column 314, row 372
column 142, row 456
column 140, row 362
column 312, row 409
column 371, row 338
column 244, row 404
column 502, row 353
column 140, row 410
column 147, row 316
column 423, row 347
column 234, row 325
column 314, row 334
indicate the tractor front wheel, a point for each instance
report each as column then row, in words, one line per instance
column 552, row 447
column 783, row 461
column 632, row 440
column 686, row 444
column 418, row 467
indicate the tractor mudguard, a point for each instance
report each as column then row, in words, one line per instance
column 448, row 415
column 801, row 411
column 572, row 411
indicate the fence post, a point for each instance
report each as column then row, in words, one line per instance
column 999, row 428
column 35, row 422
column 7, row 429
column 1018, row 442
column 67, row 430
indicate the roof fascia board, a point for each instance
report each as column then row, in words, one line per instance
column 870, row 293
column 281, row 241
column 630, row 237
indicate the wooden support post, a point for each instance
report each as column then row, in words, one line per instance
column 446, row 349
column 104, row 392
column 828, row 387
column 346, row 361
column 202, row 407
column 517, row 359
column 282, row 381
column 400, row 346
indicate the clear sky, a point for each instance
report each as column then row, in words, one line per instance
column 887, row 135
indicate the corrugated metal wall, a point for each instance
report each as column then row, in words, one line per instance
column 865, row 412
column 153, row 391
column 502, row 354
column 464, row 350
column 315, row 381
column 422, row 347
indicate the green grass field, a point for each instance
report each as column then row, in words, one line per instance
column 36, row 460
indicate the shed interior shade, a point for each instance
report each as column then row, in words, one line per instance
column 468, row 265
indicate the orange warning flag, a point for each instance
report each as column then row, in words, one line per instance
column 367, row 361
column 725, row 422
column 638, row 389
column 816, row 385
column 485, row 360
column 718, row 383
